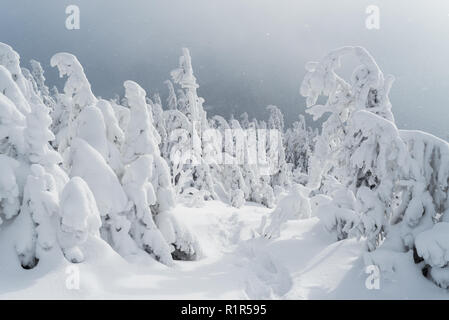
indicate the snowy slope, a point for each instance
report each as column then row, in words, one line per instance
column 305, row 262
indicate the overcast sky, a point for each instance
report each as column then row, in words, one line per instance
column 246, row 53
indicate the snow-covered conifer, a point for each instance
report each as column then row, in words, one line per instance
column 141, row 137
column 147, row 182
column 298, row 143
column 79, row 218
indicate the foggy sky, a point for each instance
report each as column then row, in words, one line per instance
column 246, row 54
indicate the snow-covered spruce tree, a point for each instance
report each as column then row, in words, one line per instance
column 230, row 148
column 264, row 193
column 147, row 183
column 37, row 138
column 421, row 216
column 234, row 159
column 346, row 137
column 417, row 214
column 77, row 95
column 280, row 170
column 140, row 146
column 79, row 218
column 84, row 116
column 40, row 218
column 234, row 182
column 275, row 118
column 368, row 89
column 298, row 144
column 244, row 120
column 250, row 169
column 178, row 149
column 11, row 61
column 191, row 105
column 141, row 137
column 376, row 161
column 184, row 77
column 12, row 91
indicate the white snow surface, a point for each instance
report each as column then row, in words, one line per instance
column 302, row 263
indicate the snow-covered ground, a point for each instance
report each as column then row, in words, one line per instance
column 305, row 262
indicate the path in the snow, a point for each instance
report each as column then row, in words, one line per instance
column 305, row 262
column 263, row 277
